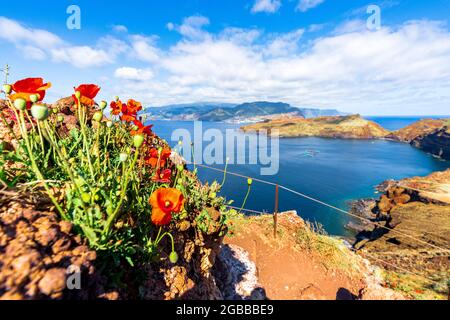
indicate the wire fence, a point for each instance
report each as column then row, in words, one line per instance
column 375, row 223
column 341, row 211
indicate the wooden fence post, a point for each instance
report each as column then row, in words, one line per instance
column 275, row 214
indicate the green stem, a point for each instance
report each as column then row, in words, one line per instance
column 85, row 140
column 36, row 169
column 157, row 236
column 97, row 144
column 171, row 238
column 193, row 156
column 41, row 138
column 245, row 199
column 112, row 218
column 224, row 174
column 63, row 157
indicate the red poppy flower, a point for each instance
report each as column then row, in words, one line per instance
column 88, row 93
column 116, row 107
column 154, row 158
column 127, row 118
column 133, row 107
column 141, row 128
column 26, row 87
column 162, row 176
column 164, row 202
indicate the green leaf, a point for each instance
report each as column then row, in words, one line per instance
column 129, row 261
column 90, row 234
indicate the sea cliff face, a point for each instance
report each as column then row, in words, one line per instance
column 416, row 129
column 347, row 127
column 437, row 143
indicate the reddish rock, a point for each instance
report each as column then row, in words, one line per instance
column 36, row 251
column 385, row 204
column 65, row 105
column 46, row 236
column 65, row 226
column 402, row 199
column 53, row 283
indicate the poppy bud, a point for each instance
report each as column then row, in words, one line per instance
column 20, row 104
column 123, row 157
column 103, row 104
column 7, row 88
column 173, row 257
column 78, row 94
column 135, row 128
column 34, row 98
column 249, row 181
column 39, row 112
column 60, row 118
column 55, row 111
column 98, row 116
column 138, row 140
column 116, row 98
column 86, row 197
column 109, row 124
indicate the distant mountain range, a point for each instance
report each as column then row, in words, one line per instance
column 245, row 112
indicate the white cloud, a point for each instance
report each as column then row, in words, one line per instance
column 316, row 27
column 305, row 5
column 33, row 53
column 284, row 44
column 38, row 44
column 119, row 28
column 394, row 70
column 17, row 33
column 105, row 52
column 356, row 69
column 269, row 6
column 355, row 25
column 239, row 35
column 192, row 27
column 129, row 73
column 81, row 56
column 144, row 48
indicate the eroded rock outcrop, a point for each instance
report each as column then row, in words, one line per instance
column 38, row 254
column 419, row 128
column 409, row 229
column 437, row 143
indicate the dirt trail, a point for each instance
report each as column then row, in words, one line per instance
column 287, row 271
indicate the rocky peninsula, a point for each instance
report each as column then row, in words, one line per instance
column 344, row 127
column 429, row 135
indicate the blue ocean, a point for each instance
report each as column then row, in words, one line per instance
column 334, row 171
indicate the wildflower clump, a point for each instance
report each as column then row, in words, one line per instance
column 107, row 173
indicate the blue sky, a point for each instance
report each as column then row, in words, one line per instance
column 312, row 53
